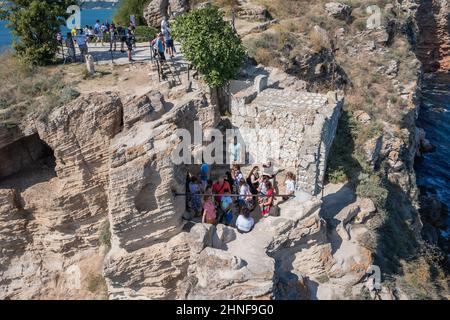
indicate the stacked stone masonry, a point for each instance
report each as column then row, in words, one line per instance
column 296, row 128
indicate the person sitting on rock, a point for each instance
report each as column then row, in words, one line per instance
column 194, row 189
column 268, row 202
column 262, row 189
column 245, row 200
column 244, row 222
column 219, row 188
column 226, row 206
column 209, row 210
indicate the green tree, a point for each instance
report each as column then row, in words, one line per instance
column 34, row 24
column 128, row 8
column 210, row 44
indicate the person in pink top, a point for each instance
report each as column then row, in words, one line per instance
column 209, row 211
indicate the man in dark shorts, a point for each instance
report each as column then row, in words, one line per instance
column 129, row 43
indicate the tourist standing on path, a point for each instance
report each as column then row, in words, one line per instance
column 112, row 37
column 98, row 32
column 129, row 43
column 70, row 46
column 164, row 25
column 132, row 29
column 160, row 45
column 82, row 44
column 170, row 47
column 122, row 38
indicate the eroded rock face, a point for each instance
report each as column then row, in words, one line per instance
column 158, row 9
column 51, row 212
column 252, row 12
column 94, row 167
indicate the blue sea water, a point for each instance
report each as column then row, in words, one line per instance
column 434, row 170
column 88, row 17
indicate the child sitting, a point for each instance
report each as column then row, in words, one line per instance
column 226, row 205
column 209, row 211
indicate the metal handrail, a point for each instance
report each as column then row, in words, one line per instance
column 232, row 195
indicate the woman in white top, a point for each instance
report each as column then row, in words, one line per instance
column 244, row 222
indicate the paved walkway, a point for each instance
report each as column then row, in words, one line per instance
column 142, row 53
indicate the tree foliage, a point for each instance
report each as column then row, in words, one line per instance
column 210, row 44
column 128, row 8
column 34, row 24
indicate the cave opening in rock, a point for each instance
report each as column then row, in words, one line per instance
column 28, row 154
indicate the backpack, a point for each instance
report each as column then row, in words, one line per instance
column 274, row 211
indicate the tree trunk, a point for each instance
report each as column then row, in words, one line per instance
column 220, row 98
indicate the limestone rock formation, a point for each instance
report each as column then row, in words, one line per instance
column 305, row 122
column 252, row 12
column 53, row 206
column 158, row 9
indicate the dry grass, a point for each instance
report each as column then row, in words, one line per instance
column 28, row 90
column 318, row 41
column 96, row 284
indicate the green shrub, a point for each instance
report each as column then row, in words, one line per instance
column 36, row 24
column 337, row 176
column 95, row 283
column 370, row 186
column 145, row 33
column 128, row 8
column 105, row 234
column 210, row 44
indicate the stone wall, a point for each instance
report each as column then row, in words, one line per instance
column 293, row 129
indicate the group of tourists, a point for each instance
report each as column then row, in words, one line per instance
column 163, row 44
column 96, row 34
column 234, row 194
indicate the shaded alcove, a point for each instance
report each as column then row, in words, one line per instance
column 27, row 154
column 146, row 200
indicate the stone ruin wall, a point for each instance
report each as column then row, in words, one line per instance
column 305, row 124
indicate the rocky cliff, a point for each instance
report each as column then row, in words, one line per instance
column 87, row 194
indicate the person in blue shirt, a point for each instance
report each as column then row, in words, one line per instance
column 161, row 46
column 204, row 175
column 226, row 206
